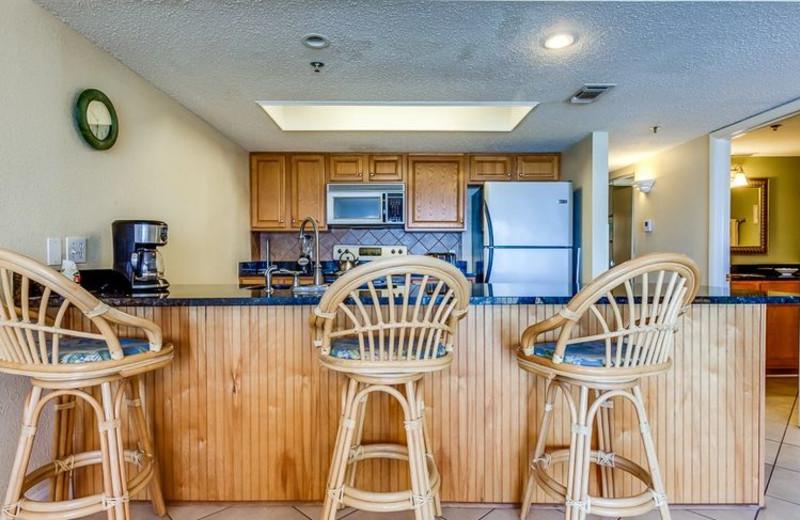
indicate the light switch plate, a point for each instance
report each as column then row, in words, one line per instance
column 648, row 226
column 54, row 251
column 76, row 249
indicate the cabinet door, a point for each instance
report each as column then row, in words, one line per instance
column 346, row 168
column 745, row 285
column 307, row 189
column 386, row 168
column 268, row 191
column 541, row 167
column 783, row 330
column 491, row 168
column 436, row 191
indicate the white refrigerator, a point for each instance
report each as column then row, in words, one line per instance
column 527, row 233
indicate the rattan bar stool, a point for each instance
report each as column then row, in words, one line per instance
column 65, row 365
column 387, row 344
column 604, row 344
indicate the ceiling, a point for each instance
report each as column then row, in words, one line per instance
column 689, row 68
column 766, row 142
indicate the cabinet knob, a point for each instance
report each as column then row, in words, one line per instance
column 281, row 221
column 360, row 174
column 294, row 221
column 372, row 175
column 508, row 174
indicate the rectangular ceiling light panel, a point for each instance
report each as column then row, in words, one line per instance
column 433, row 117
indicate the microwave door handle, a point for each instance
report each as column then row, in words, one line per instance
column 385, row 208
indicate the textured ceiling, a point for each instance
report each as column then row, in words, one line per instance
column 766, row 142
column 687, row 67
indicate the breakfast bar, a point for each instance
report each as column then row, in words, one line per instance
column 245, row 414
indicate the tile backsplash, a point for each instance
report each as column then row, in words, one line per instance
column 285, row 246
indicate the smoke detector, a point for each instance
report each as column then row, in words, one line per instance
column 589, row 92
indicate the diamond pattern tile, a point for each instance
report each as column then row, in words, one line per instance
column 285, row 246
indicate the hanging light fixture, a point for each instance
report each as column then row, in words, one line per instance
column 738, row 178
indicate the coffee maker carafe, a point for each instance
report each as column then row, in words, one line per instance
column 136, row 255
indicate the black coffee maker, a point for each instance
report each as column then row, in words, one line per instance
column 136, row 254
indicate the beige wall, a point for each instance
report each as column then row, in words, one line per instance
column 586, row 165
column 678, row 203
column 784, row 211
column 167, row 164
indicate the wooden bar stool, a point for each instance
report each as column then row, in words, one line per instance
column 605, row 343
column 388, row 348
column 66, row 365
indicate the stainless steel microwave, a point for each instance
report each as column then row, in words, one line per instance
column 366, row 204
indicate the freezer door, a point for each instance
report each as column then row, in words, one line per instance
column 519, row 265
column 528, row 214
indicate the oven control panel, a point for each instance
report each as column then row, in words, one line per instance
column 368, row 252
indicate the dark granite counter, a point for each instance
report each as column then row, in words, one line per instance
column 482, row 294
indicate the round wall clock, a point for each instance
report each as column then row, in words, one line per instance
column 96, row 119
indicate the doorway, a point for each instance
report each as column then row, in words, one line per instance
column 620, row 220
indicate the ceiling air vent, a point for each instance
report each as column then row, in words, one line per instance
column 590, row 92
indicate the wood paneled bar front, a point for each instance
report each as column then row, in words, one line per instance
column 245, row 413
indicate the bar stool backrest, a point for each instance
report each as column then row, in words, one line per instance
column 430, row 297
column 34, row 301
column 645, row 297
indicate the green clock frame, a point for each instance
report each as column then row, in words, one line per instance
column 86, row 97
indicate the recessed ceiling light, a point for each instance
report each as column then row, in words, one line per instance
column 330, row 116
column 559, row 41
column 316, row 41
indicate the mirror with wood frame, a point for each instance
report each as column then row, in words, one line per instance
column 750, row 218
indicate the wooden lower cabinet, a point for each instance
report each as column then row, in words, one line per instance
column 783, row 326
column 244, row 412
column 436, row 192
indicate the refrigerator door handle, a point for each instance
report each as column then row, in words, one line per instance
column 491, row 243
column 577, row 266
column 489, row 264
column 489, row 224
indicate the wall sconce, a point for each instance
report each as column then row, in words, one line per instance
column 738, row 178
column 644, row 185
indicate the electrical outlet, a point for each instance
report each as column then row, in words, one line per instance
column 648, row 226
column 76, row 249
column 54, row 251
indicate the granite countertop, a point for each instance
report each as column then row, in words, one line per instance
column 482, row 294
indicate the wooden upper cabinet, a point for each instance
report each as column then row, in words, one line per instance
column 268, row 188
column 436, row 192
column 491, row 168
column 366, row 168
column 386, row 168
column 307, row 181
column 346, row 168
column 538, row 167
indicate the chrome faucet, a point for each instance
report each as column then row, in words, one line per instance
column 318, row 280
column 268, row 278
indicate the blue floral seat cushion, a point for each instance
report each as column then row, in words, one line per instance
column 347, row 348
column 87, row 350
column 588, row 354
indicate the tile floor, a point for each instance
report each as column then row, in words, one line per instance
column 782, row 502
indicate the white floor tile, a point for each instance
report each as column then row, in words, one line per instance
column 771, row 451
column 536, row 513
column 254, row 512
column 733, row 513
column 784, row 484
column 193, row 511
column 789, row 458
column 464, row 513
column 776, row 430
column 776, row 509
column 313, row 511
column 676, row 514
column 792, row 434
